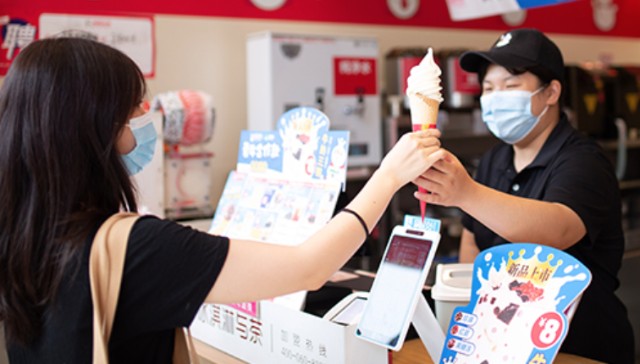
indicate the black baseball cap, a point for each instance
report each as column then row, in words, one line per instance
column 520, row 49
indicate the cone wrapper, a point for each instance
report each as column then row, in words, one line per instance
column 424, row 111
column 424, row 115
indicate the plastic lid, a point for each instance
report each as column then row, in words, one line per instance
column 453, row 282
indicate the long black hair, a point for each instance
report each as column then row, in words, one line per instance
column 63, row 106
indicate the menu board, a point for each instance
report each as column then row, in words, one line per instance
column 273, row 210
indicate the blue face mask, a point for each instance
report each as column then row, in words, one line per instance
column 145, row 135
column 508, row 114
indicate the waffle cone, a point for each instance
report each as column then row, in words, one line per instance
column 424, row 110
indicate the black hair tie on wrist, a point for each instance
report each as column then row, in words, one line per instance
column 360, row 219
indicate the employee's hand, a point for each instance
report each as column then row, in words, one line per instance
column 413, row 154
column 448, row 182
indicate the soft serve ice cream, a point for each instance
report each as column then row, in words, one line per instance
column 424, row 92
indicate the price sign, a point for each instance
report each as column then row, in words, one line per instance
column 547, row 330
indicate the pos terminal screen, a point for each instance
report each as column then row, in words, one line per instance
column 393, row 296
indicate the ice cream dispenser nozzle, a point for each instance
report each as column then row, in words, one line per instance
column 358, row 108
column 320, row 98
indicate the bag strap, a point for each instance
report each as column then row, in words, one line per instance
column 106, row 264
column 184, row 352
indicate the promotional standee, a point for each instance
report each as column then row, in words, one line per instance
column 286, row 182
column 522, row 299
column 284, row 189
column 302, row 148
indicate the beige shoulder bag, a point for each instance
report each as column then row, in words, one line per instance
column 106, row 264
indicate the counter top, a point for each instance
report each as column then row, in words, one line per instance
column 413, row 352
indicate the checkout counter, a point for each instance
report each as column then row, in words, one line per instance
column 413, row 352
column 450, row 284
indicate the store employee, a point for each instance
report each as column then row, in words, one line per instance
column 544, row 183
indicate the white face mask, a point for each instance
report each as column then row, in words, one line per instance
column 145, row 135
column 508, row 114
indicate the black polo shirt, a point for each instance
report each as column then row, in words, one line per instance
column 573, row 170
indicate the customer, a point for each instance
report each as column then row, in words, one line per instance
column 545, row 183
column 65, row 147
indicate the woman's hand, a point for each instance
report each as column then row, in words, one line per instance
column 247, row 276
column 448, row 182
column 412, row 155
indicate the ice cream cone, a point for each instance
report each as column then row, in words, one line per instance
column 424, row 95
column 424, row 111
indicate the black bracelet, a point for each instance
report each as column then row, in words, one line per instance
column 364, row 224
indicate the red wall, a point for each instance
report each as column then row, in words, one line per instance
column 570, row 18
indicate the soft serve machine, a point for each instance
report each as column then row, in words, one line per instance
column 337, row 75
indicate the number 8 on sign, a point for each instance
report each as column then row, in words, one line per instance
column 547, row 330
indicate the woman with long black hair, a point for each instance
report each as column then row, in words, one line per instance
column 71, row 133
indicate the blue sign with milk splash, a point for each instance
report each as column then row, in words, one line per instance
column 522, row 299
